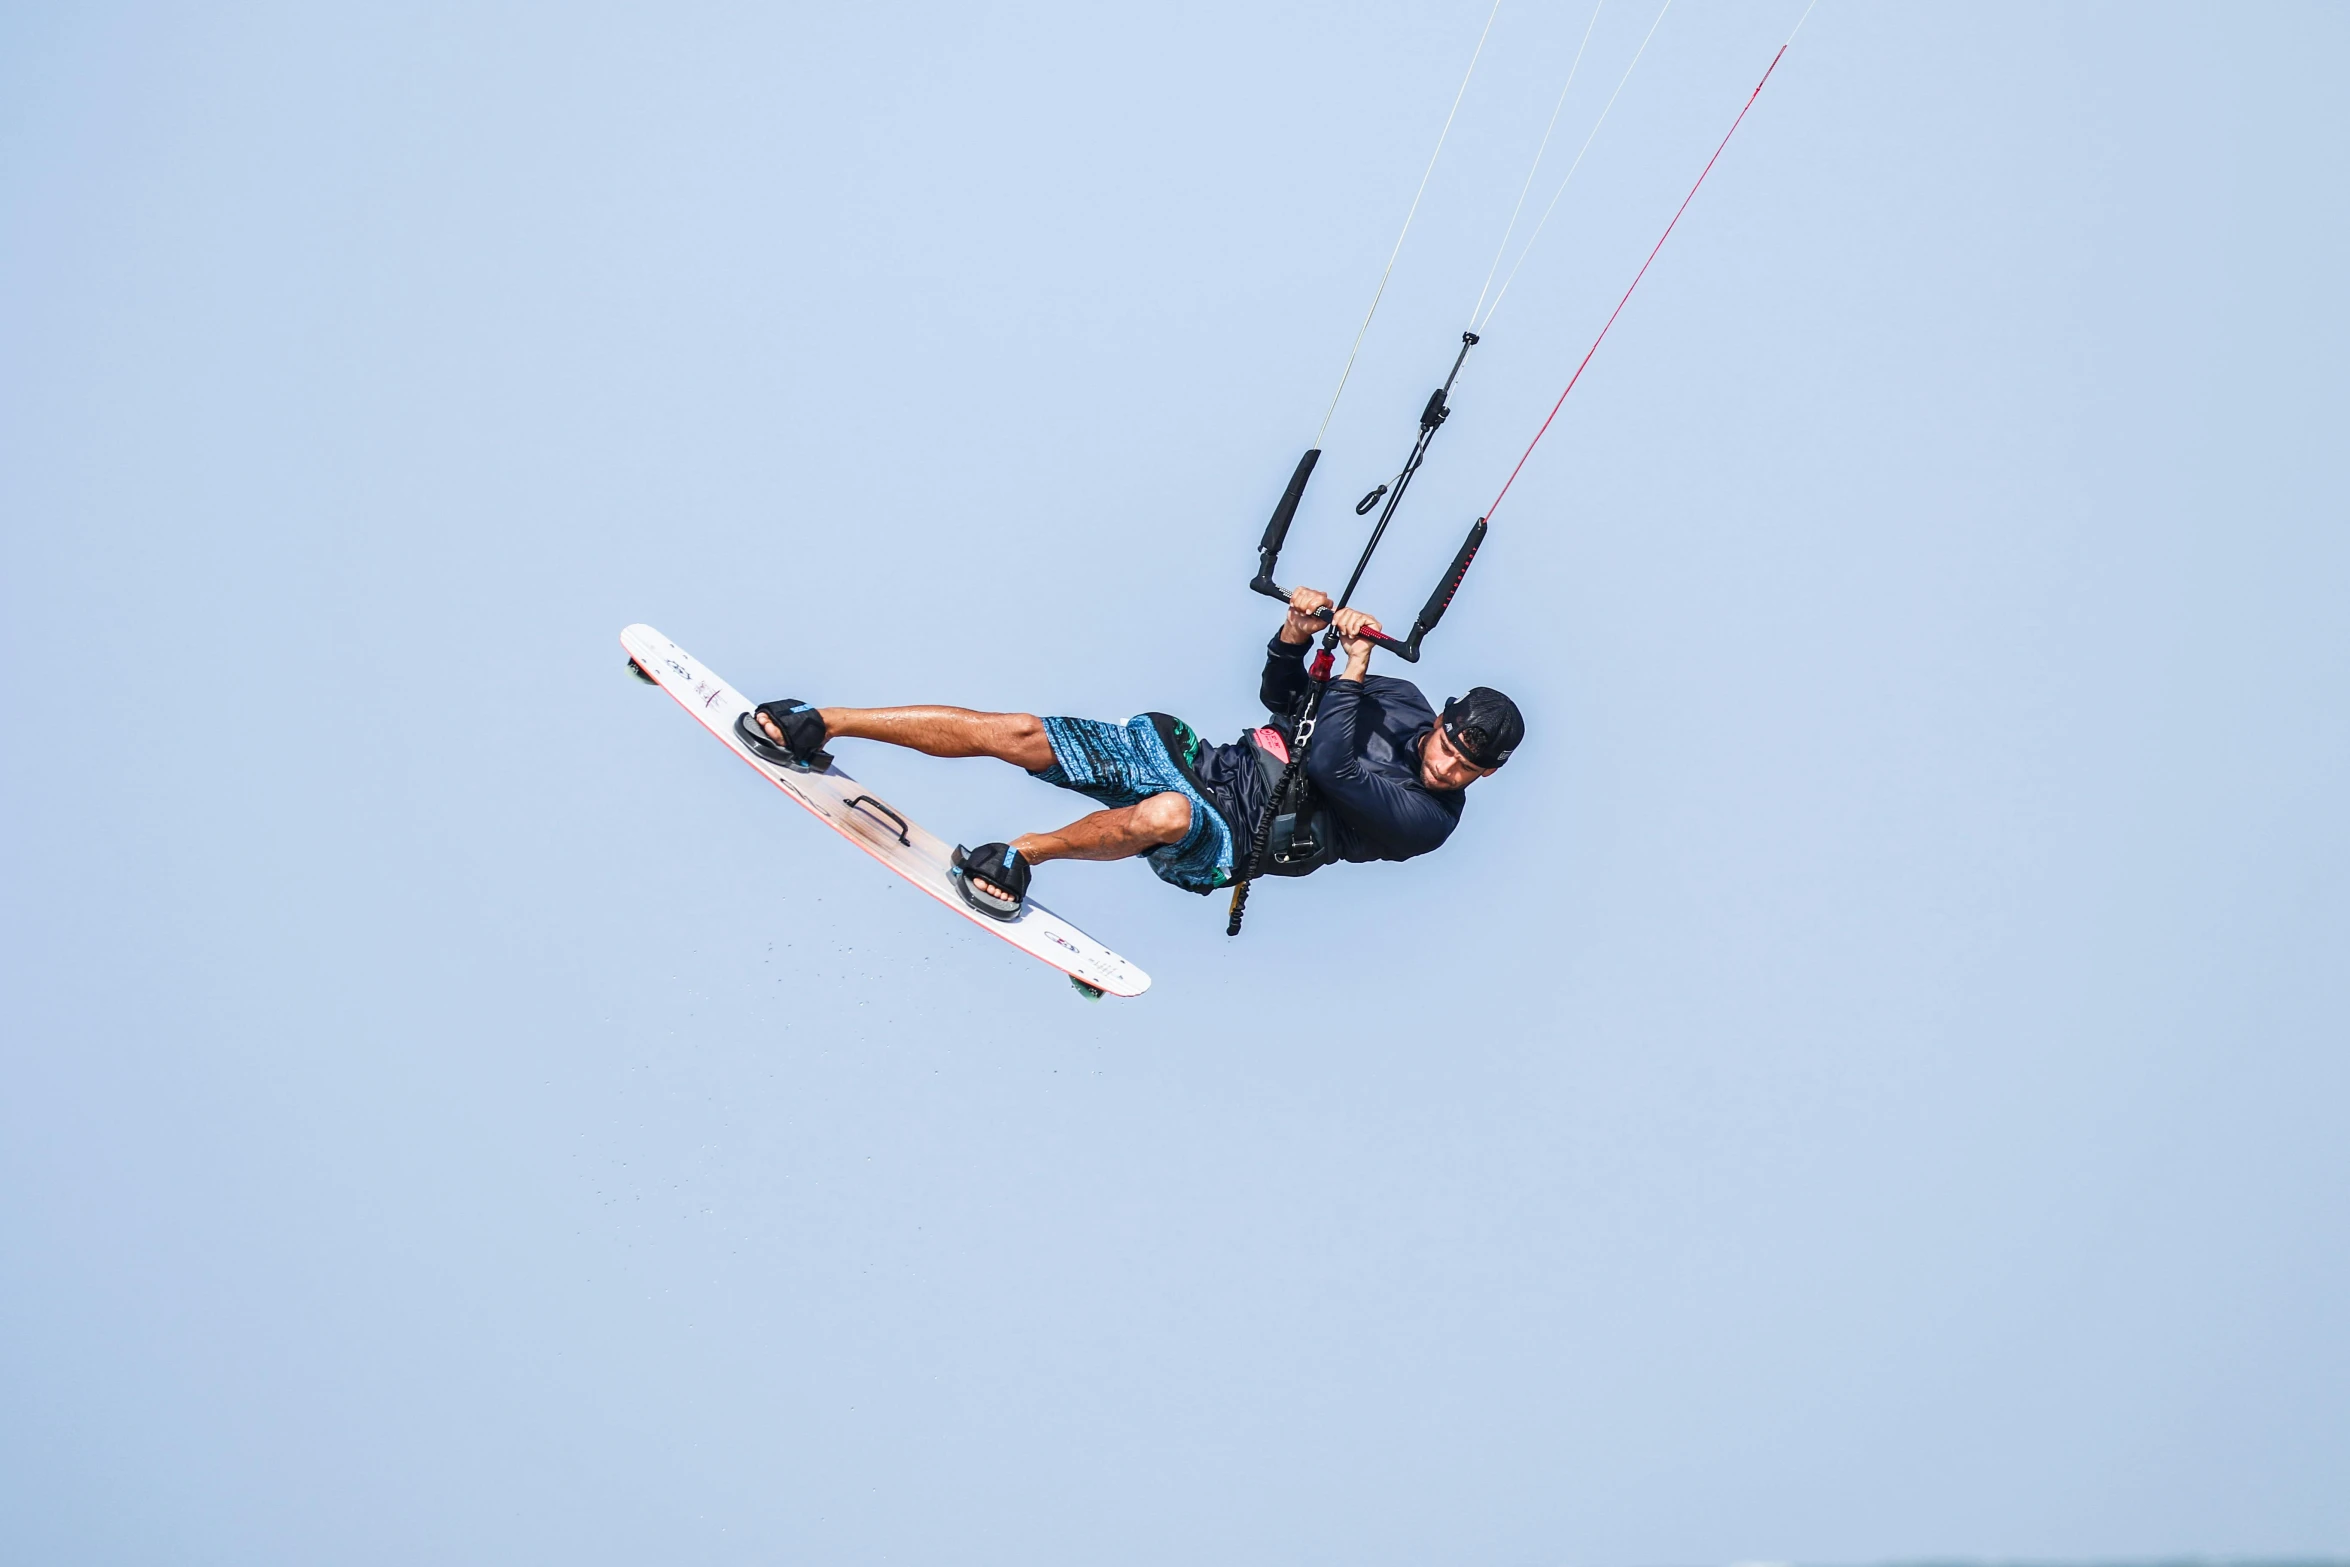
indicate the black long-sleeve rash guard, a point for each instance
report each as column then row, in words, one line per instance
column 1364, row 762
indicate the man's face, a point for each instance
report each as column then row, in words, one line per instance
column 1443, row 767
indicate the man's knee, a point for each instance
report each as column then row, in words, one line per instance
column 1167, row 817
column 1023, row 742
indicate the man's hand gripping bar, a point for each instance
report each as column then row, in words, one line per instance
column 1407, row 649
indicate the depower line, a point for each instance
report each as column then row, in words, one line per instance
column 1381, row 292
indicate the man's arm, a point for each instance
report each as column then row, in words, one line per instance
column 1285, row 683
column 1351, row 624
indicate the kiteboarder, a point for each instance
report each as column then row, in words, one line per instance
column 1386, row 773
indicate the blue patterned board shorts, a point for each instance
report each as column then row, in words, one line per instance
column 1124, row 764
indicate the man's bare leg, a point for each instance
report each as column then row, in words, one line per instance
column 1118, row 834
column 1017, row 738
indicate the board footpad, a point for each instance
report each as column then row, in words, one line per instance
column 746, row 729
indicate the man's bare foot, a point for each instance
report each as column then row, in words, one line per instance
column 792, row 726
column 993, row 879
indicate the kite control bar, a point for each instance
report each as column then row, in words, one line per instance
column 1277, row 529
column 1431, row 612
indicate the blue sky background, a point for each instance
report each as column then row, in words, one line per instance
column 1867, row 1082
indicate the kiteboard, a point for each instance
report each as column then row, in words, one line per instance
column 872, row 824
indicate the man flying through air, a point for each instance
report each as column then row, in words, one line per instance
column 1386, row 773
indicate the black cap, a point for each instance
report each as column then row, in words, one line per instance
column 1483, row 726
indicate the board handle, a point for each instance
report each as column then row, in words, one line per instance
column 895, row 819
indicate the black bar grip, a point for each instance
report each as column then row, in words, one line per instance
column 1441, row 600
column 1277, row 529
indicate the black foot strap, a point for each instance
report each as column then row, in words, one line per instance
column 803, row 735
column 999, row 864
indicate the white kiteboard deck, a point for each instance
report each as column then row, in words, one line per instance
column 872, row 824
